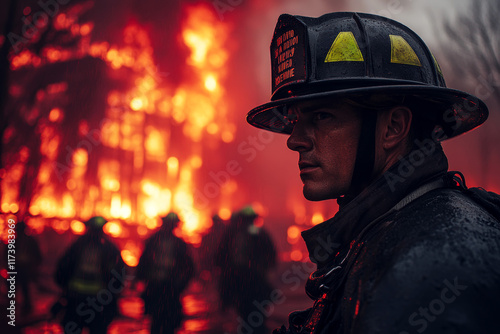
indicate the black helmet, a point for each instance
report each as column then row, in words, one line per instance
column 170, row 221
column 349, row 55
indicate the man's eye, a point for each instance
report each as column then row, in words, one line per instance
column 319, row 116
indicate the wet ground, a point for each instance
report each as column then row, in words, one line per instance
column 200, row 302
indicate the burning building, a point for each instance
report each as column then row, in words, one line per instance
column 96, row 128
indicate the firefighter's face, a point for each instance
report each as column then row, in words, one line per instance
column 326, row 137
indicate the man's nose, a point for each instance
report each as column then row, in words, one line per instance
column 300, row 139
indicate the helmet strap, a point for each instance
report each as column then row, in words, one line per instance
column 365, row 155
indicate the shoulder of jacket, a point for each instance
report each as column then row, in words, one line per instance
column 444, row 224
column 442, row 214
column 436, row 264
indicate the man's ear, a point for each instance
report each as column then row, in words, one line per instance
column 395, row 127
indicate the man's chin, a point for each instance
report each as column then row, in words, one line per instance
column 316, row 195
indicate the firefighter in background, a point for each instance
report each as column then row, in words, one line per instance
column 92, row 275
column 246, row 255
column 166, row 267
column 208, row 249
column 28, row 260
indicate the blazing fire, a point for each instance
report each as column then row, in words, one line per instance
column 147, row 151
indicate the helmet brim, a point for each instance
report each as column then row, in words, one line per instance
column 454, row 111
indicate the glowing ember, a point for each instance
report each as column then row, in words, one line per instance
column 137, row 103
column 77, row 227
column 80, row 157
column 13, row 208
column 317, row 218
column 293, row 232
column 211, row 83
column 128, row 258
column 55, row 115
column 296, row 255
column 113, row 228
column 131, row 253
column 225, row 213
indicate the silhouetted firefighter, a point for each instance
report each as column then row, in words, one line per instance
column 92, row 276
column 245, row 256
column 208, row 248
column 28, row 259
column 166, row 267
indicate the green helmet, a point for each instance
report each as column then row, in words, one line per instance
column 353, row 55
column 170, row 221
column 248, row 212
column 96, row 223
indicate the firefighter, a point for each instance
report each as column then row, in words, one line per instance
column 167, row 267
column 92, row 275
column 208, row 249
column 246, row 255
column 412, row 249
column 28, row 258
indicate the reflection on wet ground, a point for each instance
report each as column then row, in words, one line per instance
column 201, row 307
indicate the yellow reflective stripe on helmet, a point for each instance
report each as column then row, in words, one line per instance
column 344, row 48
column 437, row 65
column 84, row 287
column 402, row 53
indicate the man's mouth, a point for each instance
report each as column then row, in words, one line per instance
column 307, row 167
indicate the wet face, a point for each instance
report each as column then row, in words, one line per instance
column 326, row 137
